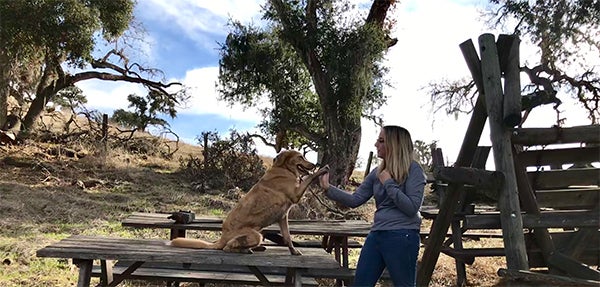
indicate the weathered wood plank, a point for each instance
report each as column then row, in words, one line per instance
column 106, row 248
column 574, row 247
column 556, row 135
column 560, row 156
column 571, row 198
column 341, row 273
column 202, row 276
column 534, row 255
column 358, row 228
column 560, row 179
column 85, row 269
column 550, row 219
column 461, row 271
column 589, row 257
column 472, row 176
column 314, row 244
column 590, row 254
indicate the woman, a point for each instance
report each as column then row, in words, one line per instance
column 397, row 185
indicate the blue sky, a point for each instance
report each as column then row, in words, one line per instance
column 182, row 39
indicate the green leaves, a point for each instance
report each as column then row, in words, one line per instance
column 64, row 29
column 558, row 27
column 254, row 65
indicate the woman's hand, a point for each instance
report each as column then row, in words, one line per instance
column 324, row 181
column 384, row 175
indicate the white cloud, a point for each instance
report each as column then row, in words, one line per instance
column 204, row 97
column 106, row 95
column 242, row 10
column 429, row 34
column 195, row 17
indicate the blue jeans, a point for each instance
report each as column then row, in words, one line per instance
column 395, row 249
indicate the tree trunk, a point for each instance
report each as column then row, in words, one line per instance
column 4, row 87
column 49, row 85
column 35, row 110
column 341, row 149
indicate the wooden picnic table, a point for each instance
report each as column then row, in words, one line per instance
column 335, row 232
column 83, row 250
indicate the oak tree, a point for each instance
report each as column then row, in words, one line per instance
column 318, row 66
column 48, row 45
column 145, row 111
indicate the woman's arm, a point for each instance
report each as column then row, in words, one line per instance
column 355, row 199
column 409, row 199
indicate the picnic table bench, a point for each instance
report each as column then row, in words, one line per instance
column 138, row 258
column 335, row 236
column 335, row 233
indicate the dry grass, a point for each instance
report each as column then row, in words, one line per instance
column 45, row 197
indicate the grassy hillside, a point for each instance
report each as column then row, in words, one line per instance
column 46, row 195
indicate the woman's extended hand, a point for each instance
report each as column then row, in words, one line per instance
column 324, row 181
column 384, row 175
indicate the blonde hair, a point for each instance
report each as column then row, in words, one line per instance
column 399, row 152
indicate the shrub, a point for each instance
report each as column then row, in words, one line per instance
column 226, row 163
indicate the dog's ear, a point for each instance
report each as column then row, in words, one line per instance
column 280, row 159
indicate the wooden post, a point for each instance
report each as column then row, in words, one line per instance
column 106, row 276
column 510, row 210
column 104, row 139
column 461, row 270
column 85, row 271
column 508, row 46
column 437, row 160
column 205, row 148
column 479, row 115
column 368, row 169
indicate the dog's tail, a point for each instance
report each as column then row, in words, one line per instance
column 195, row 243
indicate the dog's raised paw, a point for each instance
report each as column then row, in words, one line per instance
column 324, row 168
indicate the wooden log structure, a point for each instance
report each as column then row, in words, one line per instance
column 572, row 193
column 559, row 259
column 510, row 210
column 440, row 226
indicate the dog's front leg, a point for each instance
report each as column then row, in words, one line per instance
column 285, row 232
column 307, row 181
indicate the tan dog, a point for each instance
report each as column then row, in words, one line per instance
column 267, row 202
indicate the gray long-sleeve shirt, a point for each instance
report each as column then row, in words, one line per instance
column 397, row 204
